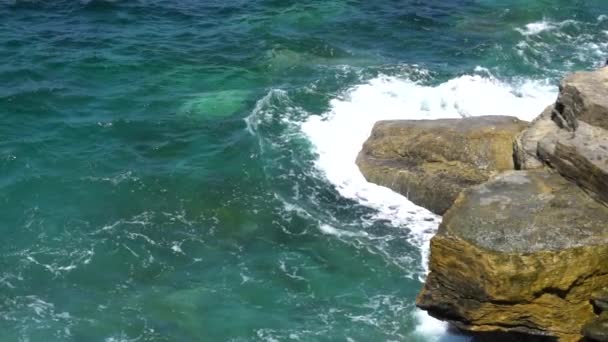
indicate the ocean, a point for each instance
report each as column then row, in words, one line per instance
column 185, row 170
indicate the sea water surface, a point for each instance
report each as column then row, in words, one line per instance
column 184, row 170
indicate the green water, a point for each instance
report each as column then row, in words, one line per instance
column 156, row 185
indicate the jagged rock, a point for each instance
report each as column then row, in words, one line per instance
column 581, row 156
column 520, row 253
column 583, row 96
column 525, row 146
column 597, row 330
column 431, row 161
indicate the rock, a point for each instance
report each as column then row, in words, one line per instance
column 582, row 157
column 600, row 299
column 431, row 161
column 583, row 96
column 520, row 253
column 525, row 146
column 597, row 330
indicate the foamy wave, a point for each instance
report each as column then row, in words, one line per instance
column 338, row 136
column 428, row 326
column 329, row 230
column 547, row 43
column 536, row 28
column 543, row 25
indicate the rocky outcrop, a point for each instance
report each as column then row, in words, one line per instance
column 520, row 253
column 580, row 150
column 582, row 97
column 431, row 161
column 528, row 250
column 581, row 156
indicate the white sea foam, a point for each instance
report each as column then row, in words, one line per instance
column 536, row 28
column 177, row 247
column 338, row 136
column 327, row 229
column 428, row 326
column 580, row 42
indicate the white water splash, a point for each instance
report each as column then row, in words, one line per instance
column 338, row 136
column 576, row 41
column 537, row 27
column 327, row 229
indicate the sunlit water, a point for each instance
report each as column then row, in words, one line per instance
column 184, row 170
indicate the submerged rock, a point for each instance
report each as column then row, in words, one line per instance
column 214, row 105
column 583, row 97
column 431, row 161
column 520, row 253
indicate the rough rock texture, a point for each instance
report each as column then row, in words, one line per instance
column 597, row 330
column 520, row 253
column 583, row 97
column 525, row 146
column 582, row 157
column 431, row 161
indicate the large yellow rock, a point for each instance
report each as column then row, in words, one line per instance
column 523, row 252
column 431, row 161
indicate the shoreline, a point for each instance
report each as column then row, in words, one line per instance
column 510, row 257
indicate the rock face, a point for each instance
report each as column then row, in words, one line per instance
column 581, row 156
column 520, row 253
column 582, row 97
column 431, row 161
column 525, row 146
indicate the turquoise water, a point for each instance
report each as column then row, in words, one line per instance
column 184, row 170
